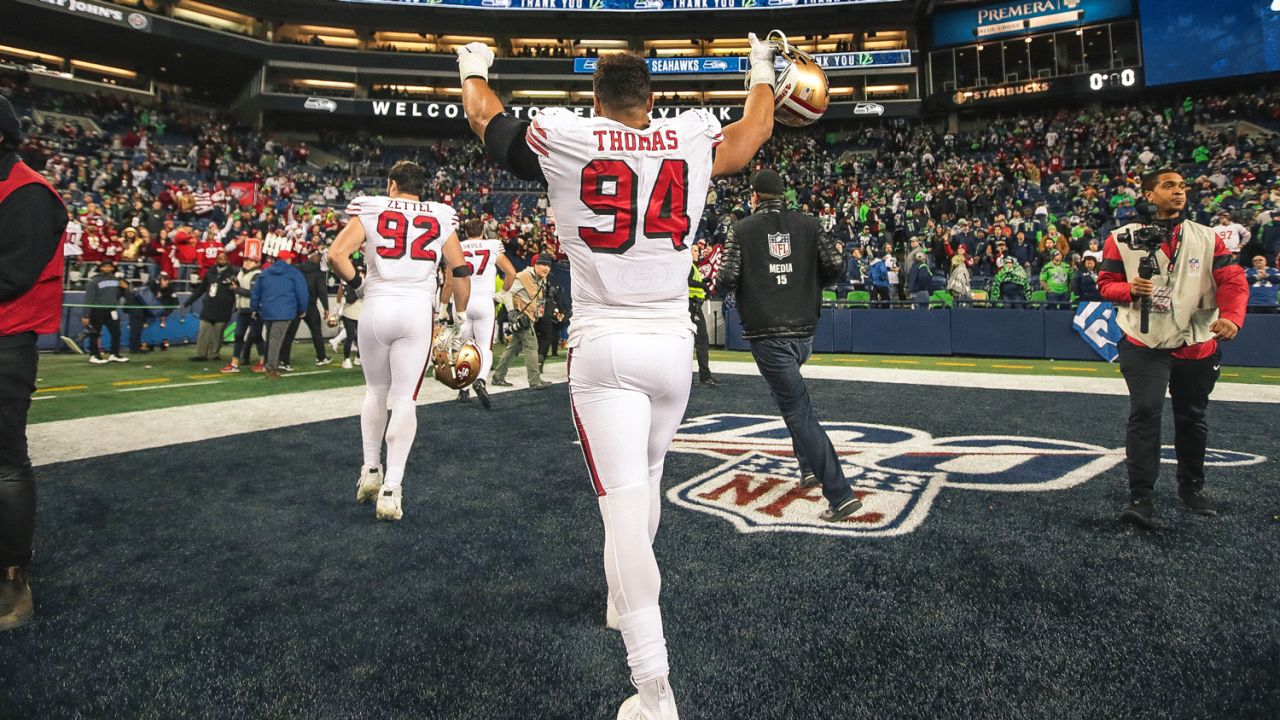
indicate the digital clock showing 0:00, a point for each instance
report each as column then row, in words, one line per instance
column 1124, row 78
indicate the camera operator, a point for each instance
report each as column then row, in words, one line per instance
column 1179, row 292
column 528, row 304
column 778, row 261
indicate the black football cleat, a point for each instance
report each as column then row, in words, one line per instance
column 1140, row 513
column 482, row 393
column 841, row 511
column 502, row 383
column 1197, row 502
column 464, row 396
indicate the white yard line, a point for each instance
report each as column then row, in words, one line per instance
column 1224, row 392
column 92, row 437
column 83, row 438
column 167, row 386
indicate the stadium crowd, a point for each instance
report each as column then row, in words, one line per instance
column 1015, row 206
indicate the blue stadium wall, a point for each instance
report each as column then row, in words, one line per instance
column 1045, row 334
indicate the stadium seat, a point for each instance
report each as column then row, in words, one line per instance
column 1039, row 297
column 858, row 298
column 829, row 297
column 940, row 299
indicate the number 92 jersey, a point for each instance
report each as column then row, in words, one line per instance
column 404, row 240
column 627, row 204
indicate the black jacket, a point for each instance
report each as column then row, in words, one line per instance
column 316, row 287
column 778, row 261
column 221, row 300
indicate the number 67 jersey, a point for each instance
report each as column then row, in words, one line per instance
column 627, row 204
column 403, row 242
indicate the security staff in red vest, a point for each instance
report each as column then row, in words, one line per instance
column 32, row 218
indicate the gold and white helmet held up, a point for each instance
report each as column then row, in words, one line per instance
column 800, row 94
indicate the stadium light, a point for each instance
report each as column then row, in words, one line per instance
column 108, row 69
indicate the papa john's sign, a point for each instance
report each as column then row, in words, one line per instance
column 897, row 472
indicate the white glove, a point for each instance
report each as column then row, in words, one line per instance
column 465, row 331
column 448, row 337
column 761, row 59
column 474, row 60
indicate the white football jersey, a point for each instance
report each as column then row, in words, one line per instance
column 73, row 240
column 1234, row 236
column 403, row 243
column 627, row 204
column 482, row 257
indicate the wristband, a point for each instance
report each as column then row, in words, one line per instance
column 355, row 282
column 462, row 271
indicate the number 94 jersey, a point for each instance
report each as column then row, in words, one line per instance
column 627, row 204
column 404, row 240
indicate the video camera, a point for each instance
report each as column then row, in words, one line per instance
column 1151, row 235
column 1148, row 238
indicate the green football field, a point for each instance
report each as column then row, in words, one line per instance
column 69, row 387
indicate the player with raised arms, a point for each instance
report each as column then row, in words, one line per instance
column 627, row 192
column 403, row 240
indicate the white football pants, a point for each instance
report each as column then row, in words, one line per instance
column 628, row 395
column 395, row 342
column 480, row 312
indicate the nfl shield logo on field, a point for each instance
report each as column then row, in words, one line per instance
column 897, row 472
column 780, row 245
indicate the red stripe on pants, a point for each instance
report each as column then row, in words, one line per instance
column 582, row 434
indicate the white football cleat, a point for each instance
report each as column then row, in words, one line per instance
column 346, row 364
column 610, row 613
column 389, row 504
column 369, row 484
column 655, row 701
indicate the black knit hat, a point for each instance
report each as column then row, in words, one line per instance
column 9, row 124
column 545, row 259
column 768, row 182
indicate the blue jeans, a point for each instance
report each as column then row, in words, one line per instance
column 779, row 360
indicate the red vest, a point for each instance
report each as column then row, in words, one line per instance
column 40, row 308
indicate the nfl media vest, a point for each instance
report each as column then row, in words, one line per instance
column 40, row 308
column 1193, row 291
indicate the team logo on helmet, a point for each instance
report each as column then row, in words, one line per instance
column 896, row 472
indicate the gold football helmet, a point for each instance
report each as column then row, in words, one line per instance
column 454, row 368
column 800, row 94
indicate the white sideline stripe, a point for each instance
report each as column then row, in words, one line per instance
column 65, row 440
column 1224, row 392
column 163, row 387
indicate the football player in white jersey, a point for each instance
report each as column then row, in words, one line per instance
column 627, row 192
column 485, row 257
column 403, row 240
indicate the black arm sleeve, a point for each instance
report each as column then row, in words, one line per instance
column 505, row 143
column 31, row 224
